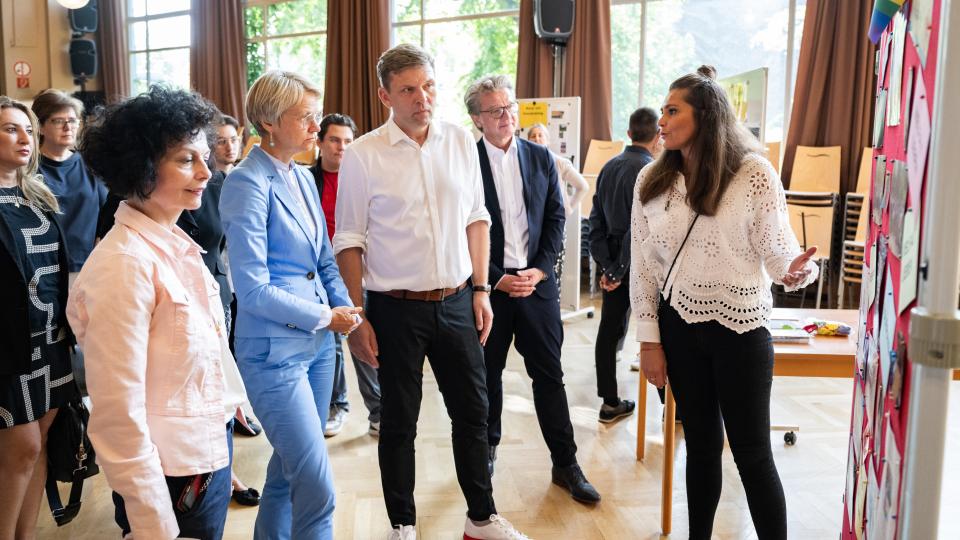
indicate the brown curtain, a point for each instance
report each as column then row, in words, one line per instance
column 833, row 98
column 587, row 69
column 114, row 54
column 358, row 32
column 218, row 64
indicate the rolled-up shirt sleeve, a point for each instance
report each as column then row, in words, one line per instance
column 111, row 314
column 352, row 204
column 644, row 291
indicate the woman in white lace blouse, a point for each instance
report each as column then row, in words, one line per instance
column 709, row 229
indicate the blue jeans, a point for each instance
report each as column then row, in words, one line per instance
column 205, row 520
column 366, row 379
column 289, row 382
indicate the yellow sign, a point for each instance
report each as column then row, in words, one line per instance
column 532, row 112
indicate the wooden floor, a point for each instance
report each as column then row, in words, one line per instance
column 812, row 471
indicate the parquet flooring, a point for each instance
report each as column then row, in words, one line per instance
column 812, row 471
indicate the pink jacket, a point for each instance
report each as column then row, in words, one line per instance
column 147, row 314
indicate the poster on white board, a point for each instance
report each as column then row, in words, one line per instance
column 747, row 93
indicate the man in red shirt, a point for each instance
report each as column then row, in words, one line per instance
column 336, row 132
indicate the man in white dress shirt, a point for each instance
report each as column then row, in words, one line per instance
column 412, row 227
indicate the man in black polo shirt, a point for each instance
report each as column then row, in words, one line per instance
column 610, row 247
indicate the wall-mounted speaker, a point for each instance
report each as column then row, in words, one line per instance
column 553, row 20
column 83, row 58
column 84, row 19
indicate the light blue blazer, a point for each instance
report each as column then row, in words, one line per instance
column 284, row 277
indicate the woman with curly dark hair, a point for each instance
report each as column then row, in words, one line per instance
column 148, row 314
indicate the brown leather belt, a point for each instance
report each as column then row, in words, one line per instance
column 436, row 295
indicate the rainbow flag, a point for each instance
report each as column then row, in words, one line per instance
column 883, row 11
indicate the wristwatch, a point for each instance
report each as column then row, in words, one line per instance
column 482, row 288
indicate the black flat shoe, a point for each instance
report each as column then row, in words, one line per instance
column 247, row 497
column 247, row 428
column 572, row 479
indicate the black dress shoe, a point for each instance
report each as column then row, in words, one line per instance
column 247, row 497
column 571, row 478
column 492, row 459
column 248, row 427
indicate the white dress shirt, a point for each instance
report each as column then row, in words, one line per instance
column 285, row 170
column 408, row 206
column 505, row 167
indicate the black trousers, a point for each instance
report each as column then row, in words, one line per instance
column 446, row 333
column 614, row 318
column 722, row 379
column 533, row 325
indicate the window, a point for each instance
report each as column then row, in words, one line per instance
column 289, row 35
column 468, row 39
column 656, row 41
column 159, row 34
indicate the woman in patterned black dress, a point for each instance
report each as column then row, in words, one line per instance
column 35, row 374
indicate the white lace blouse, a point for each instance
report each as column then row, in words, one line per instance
column 724, row 272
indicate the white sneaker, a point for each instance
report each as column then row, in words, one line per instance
column 374, row 430
column 403, row 532
column 498, row 529
column 335, row 421
column 635, row 365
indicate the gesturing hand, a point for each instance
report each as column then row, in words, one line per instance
column 344, row 319
column 798, row 271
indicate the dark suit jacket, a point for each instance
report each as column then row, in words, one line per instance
column 545, row 213
column 14, row 298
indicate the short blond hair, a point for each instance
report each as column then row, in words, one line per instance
column 273, row 93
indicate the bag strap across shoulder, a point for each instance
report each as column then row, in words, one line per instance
column 675, row 257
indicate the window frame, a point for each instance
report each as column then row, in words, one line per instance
column 131, row 20
column 265, row 37
column 422, row 22
column 790, row 52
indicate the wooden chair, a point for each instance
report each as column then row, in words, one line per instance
column 851, row 271
column 853, row 206
column 773, row 154
column 866, row 168
column 816, row 169
column 812, row 219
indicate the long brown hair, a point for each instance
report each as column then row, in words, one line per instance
column 31, row 183
column 716, row 151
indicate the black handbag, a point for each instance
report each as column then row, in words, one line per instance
column 70, row 459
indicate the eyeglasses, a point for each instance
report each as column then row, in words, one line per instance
column 498, row 112
column 311, row 118
column 72, row 123
column 224, row 141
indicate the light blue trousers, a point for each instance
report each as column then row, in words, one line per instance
column 289, row 382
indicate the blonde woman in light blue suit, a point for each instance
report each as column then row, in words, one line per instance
column 290, row 300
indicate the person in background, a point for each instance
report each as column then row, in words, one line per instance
column 79, row 194
column 522, row 194
column 412, row 228
column 291, row 300
column 226, row 144
column 149, row 317
column 610, row 247
column 573, row 186
column 35, row 374
column 709, row 230
column 337, row 131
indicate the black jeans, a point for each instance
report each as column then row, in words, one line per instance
column 614, row 317
column 721, row 379
column 533, row 324
column 205, row 520
column 445, row 332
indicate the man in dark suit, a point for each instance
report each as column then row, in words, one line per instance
column 610, row 247
column 522, row 194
